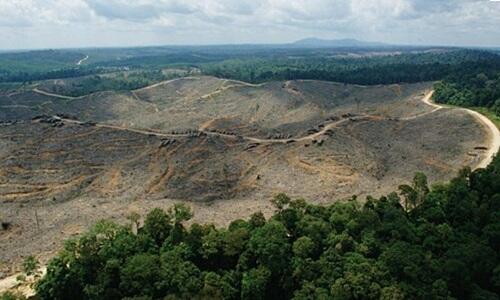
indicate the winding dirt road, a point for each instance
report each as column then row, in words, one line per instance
column 45, row 93
column 426, row 100
column 494, row 138
column 36, row 90
column 491, row 128
column 227, row 135
column 164, row 82
column 493, row 132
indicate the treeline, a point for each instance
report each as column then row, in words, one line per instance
column 471, row 88
column 257, row 64
column 16, row 76
column 439, row 243
column 406, row 67
column 123, row 81
column 40, row 65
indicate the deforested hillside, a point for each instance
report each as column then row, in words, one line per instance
column 291, row 106
column 224, row 146
column 191, row 102
column 204, row 129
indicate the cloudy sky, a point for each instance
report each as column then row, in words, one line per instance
column 85, row 23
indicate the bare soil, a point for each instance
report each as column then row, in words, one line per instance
column 225, row 147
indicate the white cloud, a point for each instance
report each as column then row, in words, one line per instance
column 138, row 10
column 69, row 23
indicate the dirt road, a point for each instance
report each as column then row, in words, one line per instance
column 42, row 92
column 426, row 100
column 489, row 126
column 54, row 95
column 494, row 138
column 82, row 60
column 227, row 135
column 164, row 82
column 493, row 132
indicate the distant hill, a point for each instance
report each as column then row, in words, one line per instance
column 322, row 43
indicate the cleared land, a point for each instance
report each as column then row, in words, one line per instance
column 224, row 145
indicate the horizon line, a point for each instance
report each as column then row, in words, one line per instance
column 262, row 44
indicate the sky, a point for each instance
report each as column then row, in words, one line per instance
column 40, row 24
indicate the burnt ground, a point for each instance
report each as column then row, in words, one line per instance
column 57, row 177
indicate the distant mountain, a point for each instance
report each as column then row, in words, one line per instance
column 322, row 43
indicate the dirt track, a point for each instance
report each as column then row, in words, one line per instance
column 494, row 133
column 237, row 84
column 248, row 138
column 82, row 60
column 490, row 127
column 426, row 100
column 54, row 95
column 494, row 139
column 164, row 82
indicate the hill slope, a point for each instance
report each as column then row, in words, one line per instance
column 225, row 145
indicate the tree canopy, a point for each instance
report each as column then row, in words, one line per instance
column 472, row 85
column 437, row 243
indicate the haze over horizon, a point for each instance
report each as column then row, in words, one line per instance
column 35, row 24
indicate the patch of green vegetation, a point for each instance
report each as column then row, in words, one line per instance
column 38, row 61
column 11, row 296
column 406, row 67
column 253, row 63
column 493, row 116
column 36, row 65
column 10, row 86
column 477, row 87
column 122, row 81
column 438, row 243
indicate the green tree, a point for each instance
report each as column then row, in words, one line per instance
column 270, row 247
column 62, row 281
column 257, row 220
column 139, row 274
column 11, row 296
column 254, row 283
column 179, row 276
column 158, row 225
column 414, row 195
column 304, row 247
column 444, row 247
column 31, row 266
column 280, row 201
column 180, row 213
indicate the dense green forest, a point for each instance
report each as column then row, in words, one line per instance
column 46, row 60
column 122, row 81
column 257, row 64
column 420, row 243
column 479, row 88
column 39, row 65
column 406, row 67
column 14, row 75
column 119, row 82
